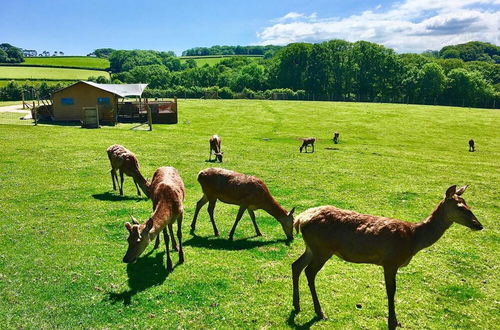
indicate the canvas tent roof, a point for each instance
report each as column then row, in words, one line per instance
column 121, row 90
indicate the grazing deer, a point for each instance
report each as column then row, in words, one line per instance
column 472, row 148
column 249, row 192
column 362, row 238
column 125, row 162
column 336, row 136
column 215, row 142
column 167, row 190
column 306, row 142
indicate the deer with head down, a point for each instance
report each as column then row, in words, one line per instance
column 126, row 162
column 249, row 192
column 362, row 238
column 215, row 142
column 167, row 191
column 306, row 142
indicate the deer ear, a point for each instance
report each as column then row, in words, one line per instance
column 134, row 220
column 461, row 190
column 291, row 212
column 128, row 226
column 451, row 191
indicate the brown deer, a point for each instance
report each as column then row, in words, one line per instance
column 472, row 147
column 249, row 192
column 336, row 136
column 306, row 142
column 126, row 162
column 167, row 191
column 362, row 238
column 215, row 142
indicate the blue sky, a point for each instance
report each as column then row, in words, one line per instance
column 78, row 27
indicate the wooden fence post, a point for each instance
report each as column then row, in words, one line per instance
column 35, row 114
column 150, row 117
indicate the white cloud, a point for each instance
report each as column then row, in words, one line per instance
column 411, row 25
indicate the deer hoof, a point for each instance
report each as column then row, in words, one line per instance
column 231, row 238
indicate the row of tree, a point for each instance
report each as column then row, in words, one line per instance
column 10, row 54
column 332, row 70
column 266, row 51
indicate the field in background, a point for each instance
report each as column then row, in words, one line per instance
column 63, row 236
column 41, row 73
column 72, row 61
column 35, row 82
column 211, row 59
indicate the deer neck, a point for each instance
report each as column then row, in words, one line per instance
column 431, row 229
column 159, row 219
column 274, row 209
column 142, row 182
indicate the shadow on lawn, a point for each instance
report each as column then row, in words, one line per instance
column 111, row 197
column 218, row 243
column 291, row 321
column 148, row 271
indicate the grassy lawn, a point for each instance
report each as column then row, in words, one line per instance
column 76, row 61
column 63, row 236
column 36, row 82
column 20, row 72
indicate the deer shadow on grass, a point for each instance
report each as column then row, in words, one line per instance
column 147, row 272
column 220, row 243
column 111, row 197
column 291, row 322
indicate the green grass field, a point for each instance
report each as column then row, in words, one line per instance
column 75, row 61
column 63, row 236
column 21, row 73
column 210, row 60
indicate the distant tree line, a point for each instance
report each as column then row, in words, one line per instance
column 472, row 51
column 267, row 51
column 10, row 54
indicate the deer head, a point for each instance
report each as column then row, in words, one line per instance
column 457, row 210
column 218, row 155
column 138, row 239
column 287, row 224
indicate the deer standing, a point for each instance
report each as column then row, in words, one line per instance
column 167, row 189
column 336, row 136
column 249, row 192
column 472, row 147
column 215, row 142
column 126, row 162
column 306, row 142
column 362, row 238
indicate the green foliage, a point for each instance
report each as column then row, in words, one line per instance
column 63, row 236
column 232, row 50
column 472, row 51
column 10, row 54
column 103, row 52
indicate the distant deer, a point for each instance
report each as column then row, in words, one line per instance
column 126, row 162
column 472, row 148
column 336, row 136
column 249, row 192
column 215, row 142
column 167, row 191
column 306, row 142
column 362, row 238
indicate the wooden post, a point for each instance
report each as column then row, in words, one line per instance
column 22, row 94
column 35, row 114
column 150, row 116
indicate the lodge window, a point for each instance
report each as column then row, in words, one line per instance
column 103, row 100
column 67, row 101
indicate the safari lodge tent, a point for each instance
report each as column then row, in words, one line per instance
column 68, row 102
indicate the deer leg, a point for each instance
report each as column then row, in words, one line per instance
column 179, row 237
column 297, row 268
column 113, row 173
column 171, row 232
column 390, row 287
column 167, row 250
column 137, row 187
column 312, row 269
column 157, row 242
column 313, row 147
column 238, row 217
column 121, row 184
column 252, row 216
column 211, row 207
column 199, row 205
